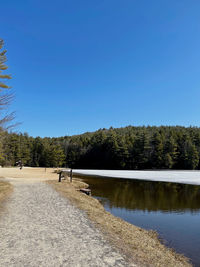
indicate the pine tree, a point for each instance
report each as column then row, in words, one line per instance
column 5, row 95
column 170, row 152
column 157, row 151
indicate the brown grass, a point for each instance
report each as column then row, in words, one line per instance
column 5, row 190
column 140, row 246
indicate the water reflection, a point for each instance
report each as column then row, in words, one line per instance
column 146, row 196
column 173, row 210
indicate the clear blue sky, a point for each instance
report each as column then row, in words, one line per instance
column 83, row 65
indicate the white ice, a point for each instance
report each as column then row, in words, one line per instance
column 177, row 176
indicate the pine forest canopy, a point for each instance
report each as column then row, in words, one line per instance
column 164, row 147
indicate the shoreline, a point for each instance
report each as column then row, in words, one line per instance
column 140, row 246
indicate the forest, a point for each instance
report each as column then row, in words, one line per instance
column 131, row 148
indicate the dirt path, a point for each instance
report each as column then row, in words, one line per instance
column 40, row 228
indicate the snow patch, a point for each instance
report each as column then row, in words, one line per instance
column 182, row 176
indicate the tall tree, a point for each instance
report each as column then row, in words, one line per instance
column 5, row 95
column 157, row 150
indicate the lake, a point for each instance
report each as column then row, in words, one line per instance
column 172, row 209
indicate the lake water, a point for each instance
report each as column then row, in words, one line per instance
column 172, row 209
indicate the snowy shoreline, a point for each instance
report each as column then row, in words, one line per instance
column 178, row 176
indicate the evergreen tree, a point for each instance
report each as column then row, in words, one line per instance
column 157, row 151
column 170, row 152
column 5, row 95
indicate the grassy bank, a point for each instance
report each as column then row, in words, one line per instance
column 5, row 190
column 140, row 246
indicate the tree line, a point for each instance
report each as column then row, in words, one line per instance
column 36, row 152
column 164, row 147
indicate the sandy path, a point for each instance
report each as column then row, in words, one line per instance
column 40, row 228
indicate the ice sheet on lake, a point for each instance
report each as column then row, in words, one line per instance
column 182, row 176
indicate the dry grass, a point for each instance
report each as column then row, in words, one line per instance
column 140, row 246
column 5, row 190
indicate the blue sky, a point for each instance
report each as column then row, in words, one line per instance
column 79, row 66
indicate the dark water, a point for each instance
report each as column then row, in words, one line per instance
column 173, row 210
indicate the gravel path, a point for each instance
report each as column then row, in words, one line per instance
column 41, row 228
